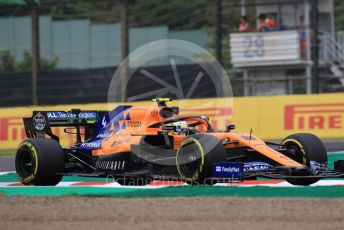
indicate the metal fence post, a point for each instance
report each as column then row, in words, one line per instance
column 35, row 48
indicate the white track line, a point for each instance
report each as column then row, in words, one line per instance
column 5, row 173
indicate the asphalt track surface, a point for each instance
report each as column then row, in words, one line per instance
column 170, row 213
column 88, row 186
column 7, row 162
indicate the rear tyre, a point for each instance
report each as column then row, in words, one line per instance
column 38, row 161
column 304, row 148
column 195, row 158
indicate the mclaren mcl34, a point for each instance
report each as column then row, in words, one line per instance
column 137, row 144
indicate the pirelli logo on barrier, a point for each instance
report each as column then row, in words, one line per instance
column 11, row 128
column 320, row 116
column 12, row 132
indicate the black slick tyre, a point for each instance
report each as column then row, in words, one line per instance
column 304, row 148
column 38, row 162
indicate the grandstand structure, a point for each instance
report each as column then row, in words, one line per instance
column 278, row 61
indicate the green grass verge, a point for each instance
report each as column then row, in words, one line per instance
column 7, row 152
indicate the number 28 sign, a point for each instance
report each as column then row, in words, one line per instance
column 253, row 46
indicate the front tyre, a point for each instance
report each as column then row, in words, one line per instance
column 196, row 156
column 304, row 148
column 38, row 162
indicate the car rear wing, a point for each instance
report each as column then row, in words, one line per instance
column 41, row 122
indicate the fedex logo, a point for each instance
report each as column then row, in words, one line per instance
column 314, row 116
column 229, row 169
column 233, row 170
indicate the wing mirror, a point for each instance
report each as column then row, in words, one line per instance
column 167, row 112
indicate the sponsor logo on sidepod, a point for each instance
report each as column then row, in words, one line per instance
column 91, row 145
column 227, row 169
column 232, row 170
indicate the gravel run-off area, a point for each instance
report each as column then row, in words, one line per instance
column 20, row 212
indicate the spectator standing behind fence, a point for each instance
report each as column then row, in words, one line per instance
column 244, row 25
column 266, row 23
column 302, row 37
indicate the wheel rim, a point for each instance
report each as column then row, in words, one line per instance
column 189, row 161
column 25, row 163
column 295, row 153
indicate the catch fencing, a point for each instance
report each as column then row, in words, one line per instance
column 75, row 86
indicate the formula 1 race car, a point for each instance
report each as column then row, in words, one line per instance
column 137, row 144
